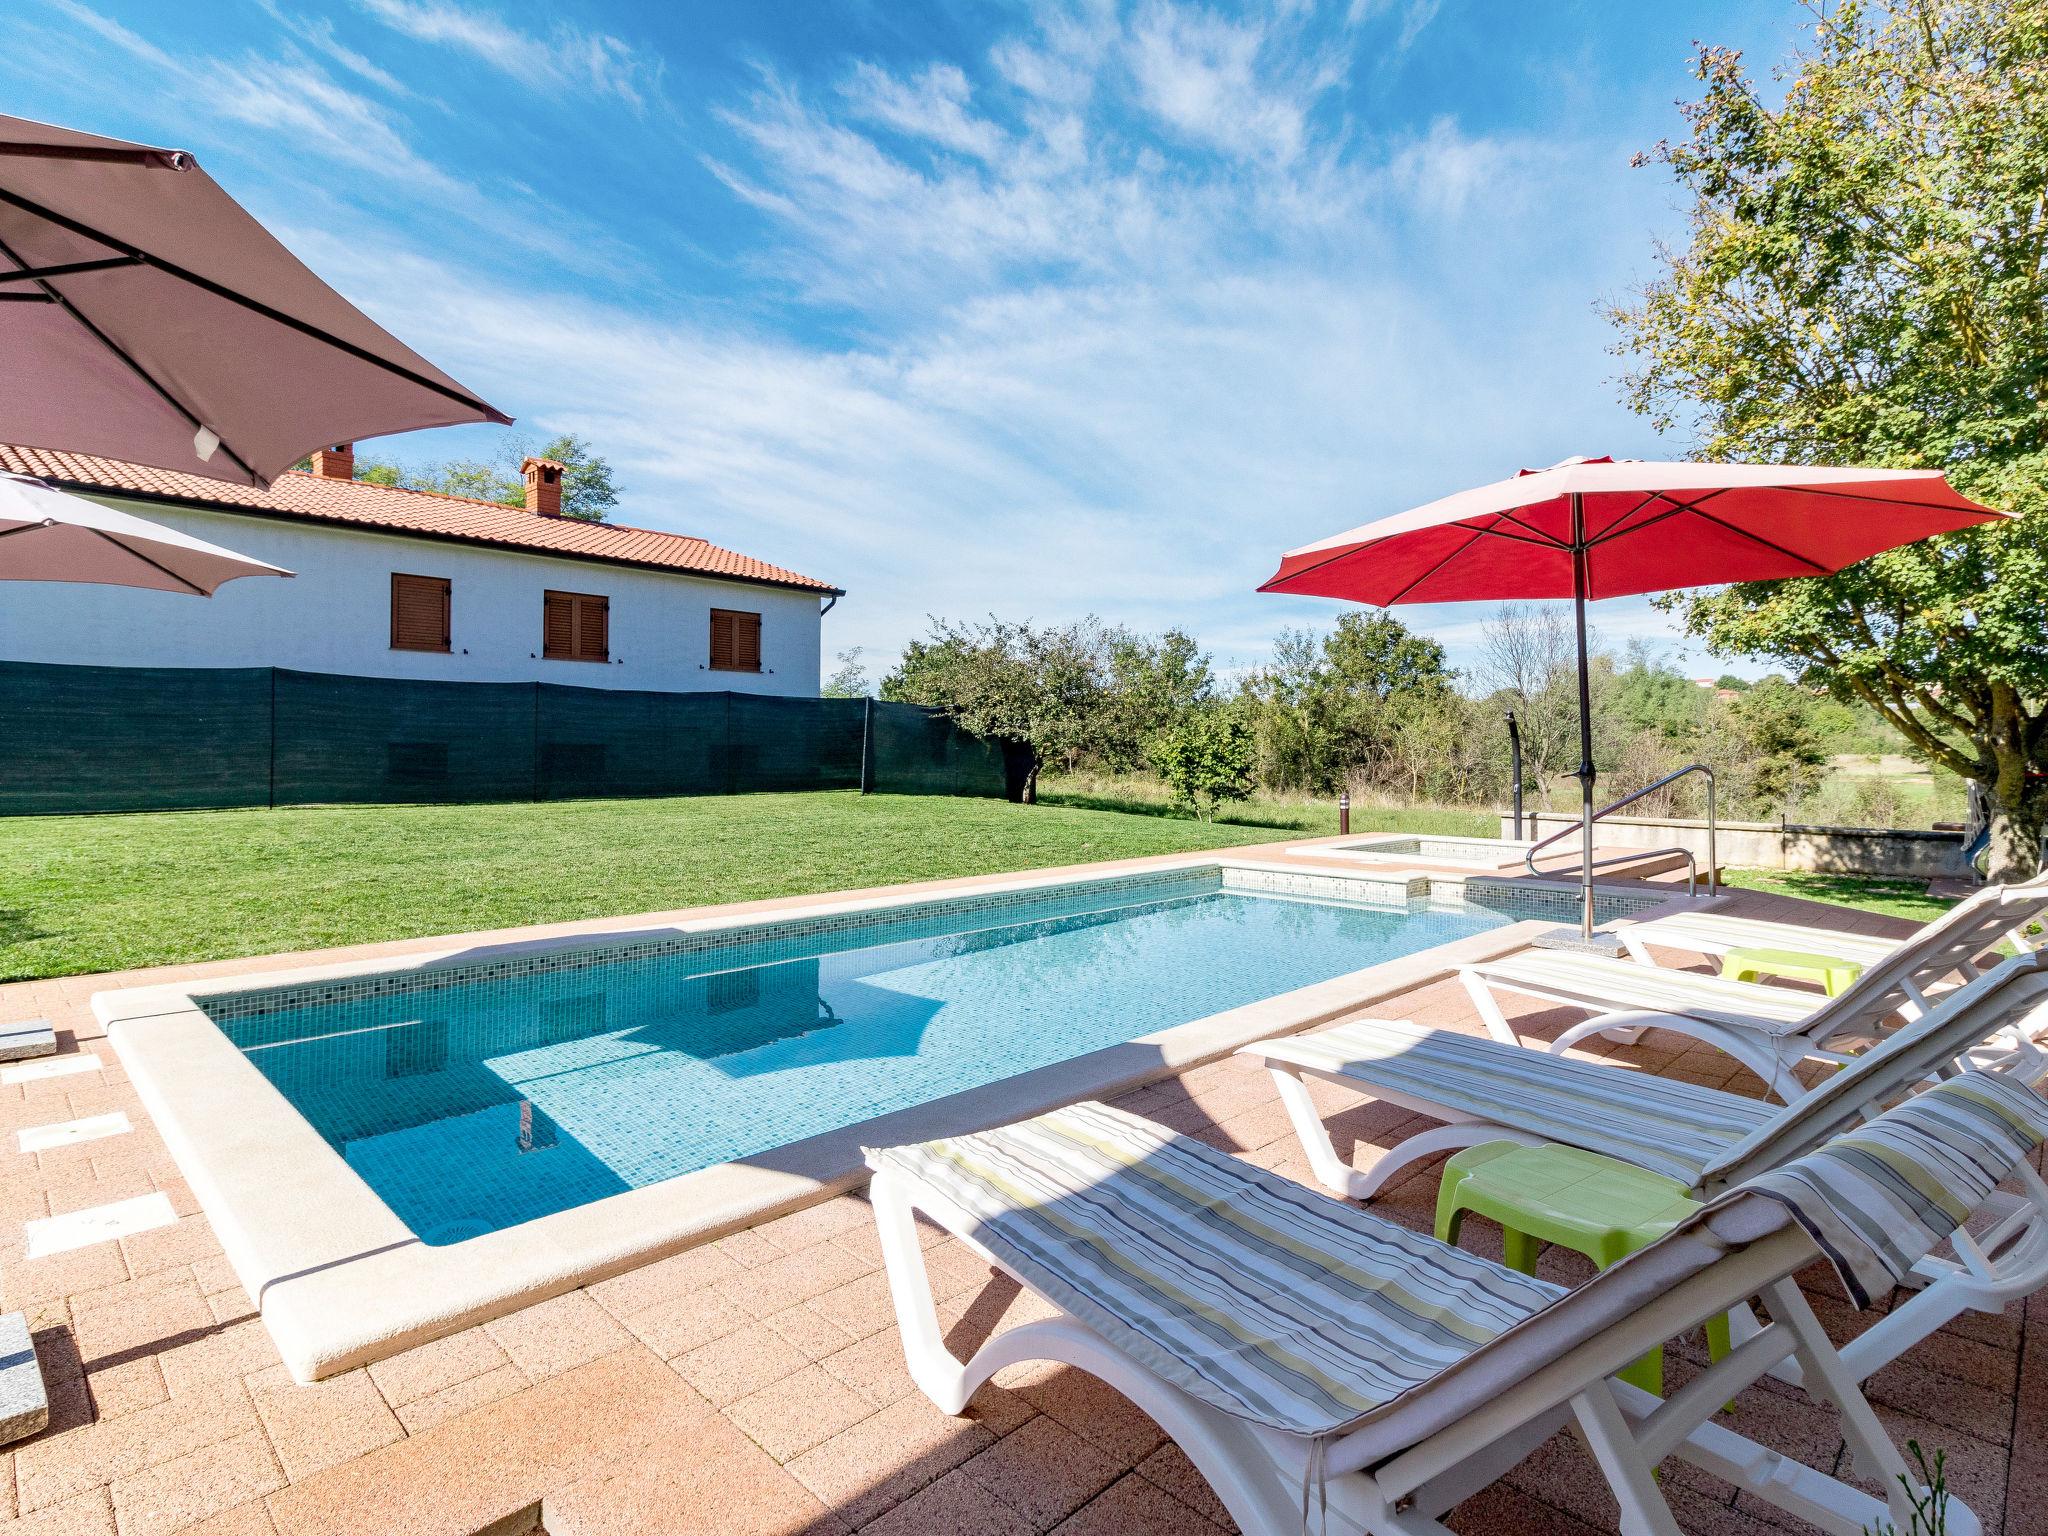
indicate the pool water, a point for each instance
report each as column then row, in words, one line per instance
column 510, row 1095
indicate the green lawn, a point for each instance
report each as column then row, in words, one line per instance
column 98, row 893
column 1894, row 898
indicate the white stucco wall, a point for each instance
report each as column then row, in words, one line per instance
column 335, row 614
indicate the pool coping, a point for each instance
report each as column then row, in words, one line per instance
column 341, row 1281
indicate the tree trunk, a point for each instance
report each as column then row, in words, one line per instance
column 1029, row 794
column 2019, row 805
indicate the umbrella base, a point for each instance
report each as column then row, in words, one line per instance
column 1602, row 942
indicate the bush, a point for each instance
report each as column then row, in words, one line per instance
column 1205, row 758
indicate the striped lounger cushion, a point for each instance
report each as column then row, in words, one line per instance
column 1243, row 1289
column 1669, row 1127
column 1628, row 984
column 1883, row 1196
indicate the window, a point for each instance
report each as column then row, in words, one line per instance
column 419, row 612
column 735, row 641
column 575, row 626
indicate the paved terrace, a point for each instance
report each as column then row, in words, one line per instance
column 754, row 1385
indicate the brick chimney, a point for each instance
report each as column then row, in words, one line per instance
column 335, row 463
column 543, row 486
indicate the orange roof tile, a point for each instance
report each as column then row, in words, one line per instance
column 426, row 514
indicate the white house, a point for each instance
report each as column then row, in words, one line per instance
column 399, row 583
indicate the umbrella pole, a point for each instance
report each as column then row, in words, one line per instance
column 1586, row 770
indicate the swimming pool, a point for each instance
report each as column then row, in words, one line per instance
column 478, row 1097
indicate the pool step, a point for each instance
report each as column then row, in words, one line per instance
column 24, row 1404
column 24, row 1038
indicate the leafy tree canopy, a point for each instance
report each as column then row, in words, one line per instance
column 588, row 489
column 1864, row 284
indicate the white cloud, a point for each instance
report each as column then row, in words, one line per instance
column 1214, row 82
column 933, row 105
column 566, row 54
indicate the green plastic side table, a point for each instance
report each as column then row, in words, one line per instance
column 1834, row 975
column 1590, row 1204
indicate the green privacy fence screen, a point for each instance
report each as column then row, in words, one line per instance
column 83, row 739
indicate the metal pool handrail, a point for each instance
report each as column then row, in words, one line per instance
column 1692, row 867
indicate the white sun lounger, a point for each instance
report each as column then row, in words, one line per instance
column 1715, row 933
column 1323, row 1368
column 1706, row 1138
column 1769, row 1029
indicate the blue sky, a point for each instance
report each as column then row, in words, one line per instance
column 1034, row 309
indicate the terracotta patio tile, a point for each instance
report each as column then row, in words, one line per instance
column 251, row 1519
column 431, row 1368
column 743, row 1361
column 887, row 1457
column 229, row 1353
column 1169, row 1468
column 57, row 1466
column 231, row 1306
column 874, row 1368
column 126, row 1387
column 61, row 1274
column 318, row 1426
column 748, row 1248
column 1044, row 1471
column 215, row 1274
column 711, row 1478
column 809, row 1331
column 1501, row 1509
column 683, row 1323
column 680, row 1274
column 89, row 1514
column 816, row 1223
column 488, row 1463
column 557, row 1335
column 783, row 1282
column 176, row 1494
column 955, row 1505
column 860, row 1306
column 1097, row 1412
column 1133, row 1507
column 183, row 1242
column 798, row 1412
column 423, row 1413
column 150, row 1311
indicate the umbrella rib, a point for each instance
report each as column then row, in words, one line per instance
column 1477, row 535
column 164, row 159
column 1536, row 535
column 1777, row 549
column 121, row 543
column 68, row 269
column 256, row 306
column 1614, row 530
column 1923, row 506
column 135, row 367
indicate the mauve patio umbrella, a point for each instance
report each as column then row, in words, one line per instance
column 46, row 535
column 145, row 316
column 1592, row 528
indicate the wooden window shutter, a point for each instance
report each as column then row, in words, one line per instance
column 575, row 626
column 420, row 611
column 735, row 640
column 558, row 626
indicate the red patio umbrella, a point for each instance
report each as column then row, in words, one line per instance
column 1591, row 528
column 144, row 315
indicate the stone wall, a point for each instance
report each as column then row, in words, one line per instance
column 1906, row 852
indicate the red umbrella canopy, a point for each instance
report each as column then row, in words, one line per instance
column 144, row 315
column 1645, row 526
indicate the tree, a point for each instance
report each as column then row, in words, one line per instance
column 850, row 680
column 1331, row 705
column 1040, row 689
column 1864, row 284
column 1205, row 757
column 588, row 490
column 1150, row 685
column 1528, row 662
column 1779, row 742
